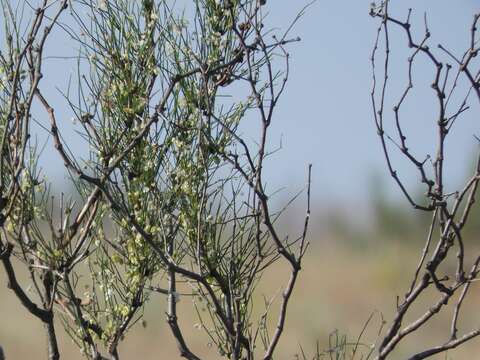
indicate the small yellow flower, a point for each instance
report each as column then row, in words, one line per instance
column 117, row 259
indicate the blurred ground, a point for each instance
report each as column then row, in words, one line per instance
column 343, row 281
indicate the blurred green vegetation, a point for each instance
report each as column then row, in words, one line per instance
column 390, row 218
column 354, row 267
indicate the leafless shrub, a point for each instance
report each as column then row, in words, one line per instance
column 450, row 211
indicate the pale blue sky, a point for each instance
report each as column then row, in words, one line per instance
column 325, row 116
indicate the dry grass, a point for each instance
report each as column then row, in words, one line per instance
column 339, row 288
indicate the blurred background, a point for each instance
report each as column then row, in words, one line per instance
column 365, row 238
